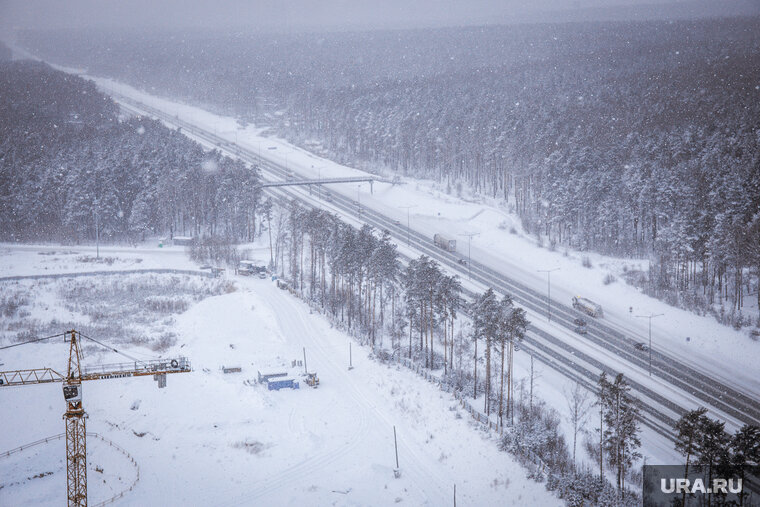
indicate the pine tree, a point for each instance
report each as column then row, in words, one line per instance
column 745, row 446
column 688, row 436
column 486, row 314
column 713, row 450
column 601, row 402
column 516, row 327
column 502, row 340
column 621, row 434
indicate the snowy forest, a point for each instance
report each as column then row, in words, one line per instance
column 632, row 138
column 69, row 164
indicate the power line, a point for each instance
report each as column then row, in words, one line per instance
column 109, row 347
column 32, row 341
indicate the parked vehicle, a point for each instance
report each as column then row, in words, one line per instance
column 246, row 268
column 312, row 380
column 587, row 306
column 450, row 245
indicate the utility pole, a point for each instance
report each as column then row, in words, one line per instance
column 408, row 240
column 305, row 370
column 97, row 234
column 650, row 317
column 469, row 236
column 549, row 276
column 395, row 445
column 350, row 357
column 319, row 187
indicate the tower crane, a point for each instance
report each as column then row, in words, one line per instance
column 76, row 450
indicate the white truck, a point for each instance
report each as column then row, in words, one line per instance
column 450, row 245
column 587, row 306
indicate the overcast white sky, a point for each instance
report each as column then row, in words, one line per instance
column 310, row 14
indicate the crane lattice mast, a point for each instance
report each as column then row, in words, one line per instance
column 76, row 444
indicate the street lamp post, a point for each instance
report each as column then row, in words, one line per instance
column 549, row 297
column 469, row 251
column 650, row 317
column 319, row 187
column 408, row 235
column 97, row 234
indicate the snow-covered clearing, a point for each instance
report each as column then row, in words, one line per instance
column 26, row 260
column 215, row 438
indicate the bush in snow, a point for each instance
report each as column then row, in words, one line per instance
column 10, row 304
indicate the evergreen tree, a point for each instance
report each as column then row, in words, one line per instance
column 621, row 434
column 745, row 446
column 688, row 436
column 486, row 319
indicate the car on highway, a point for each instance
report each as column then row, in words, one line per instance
column 641, row 346
column 463, row 262
column 580, row 326
column 397, row 222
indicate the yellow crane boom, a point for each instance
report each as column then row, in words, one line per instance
column 26, row 377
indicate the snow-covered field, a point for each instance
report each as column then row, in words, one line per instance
column 211, row 438
column 23, row 260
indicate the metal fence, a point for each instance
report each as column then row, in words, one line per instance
column 207, row 274
column 59, row 436
column 537, row 464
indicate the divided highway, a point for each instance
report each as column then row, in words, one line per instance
column 658, row 412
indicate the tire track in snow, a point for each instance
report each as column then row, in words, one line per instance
column 423, row 474
column 297, row 472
